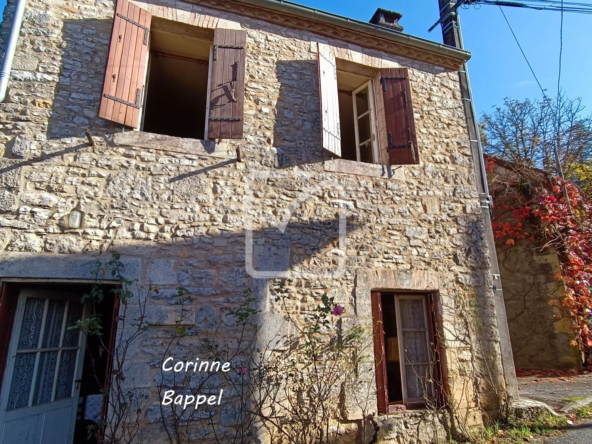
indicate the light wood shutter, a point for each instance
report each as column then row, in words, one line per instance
column 126, row 65
column 399, row 124
column 329, row 100
column 379, row 353
column 227, row 85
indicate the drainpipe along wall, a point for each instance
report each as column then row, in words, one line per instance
column 10, row 49
column 453, row 36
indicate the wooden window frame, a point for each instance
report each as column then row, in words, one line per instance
column 437, row 365
column 371, row 112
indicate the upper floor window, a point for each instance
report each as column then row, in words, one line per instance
column 367, row 119
column 184, row 82
column 357, row 121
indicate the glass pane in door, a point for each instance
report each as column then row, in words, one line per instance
column 45, row 377
column 45, row 362
column 412, row 314
column 22, row 379
column 32, row 318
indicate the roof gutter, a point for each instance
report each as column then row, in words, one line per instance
column 359, row 26
column 15, row 31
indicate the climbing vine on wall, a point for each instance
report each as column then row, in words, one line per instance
column 534, row 206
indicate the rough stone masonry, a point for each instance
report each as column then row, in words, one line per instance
column 177, row 214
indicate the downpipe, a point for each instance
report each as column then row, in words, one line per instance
column 11, row 47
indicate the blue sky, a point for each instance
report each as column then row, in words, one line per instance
column 497, row 67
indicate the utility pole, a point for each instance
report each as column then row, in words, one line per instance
column 452, row 34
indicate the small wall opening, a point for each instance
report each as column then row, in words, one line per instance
column 177, row 86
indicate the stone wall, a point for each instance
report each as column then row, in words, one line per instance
column 540, row 326
column 178, row 210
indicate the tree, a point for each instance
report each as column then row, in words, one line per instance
column 527, row 132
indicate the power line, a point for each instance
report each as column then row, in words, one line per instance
column 539, row 5
column 523, row 53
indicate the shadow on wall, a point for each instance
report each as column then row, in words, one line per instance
column 78, row 93
column 297, row 130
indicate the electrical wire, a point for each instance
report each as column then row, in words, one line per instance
column 523, row 53
column 540, row 5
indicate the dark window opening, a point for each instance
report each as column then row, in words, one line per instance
column 177, row 86
column 346, row 125
column 391, row 346
column 95, row 370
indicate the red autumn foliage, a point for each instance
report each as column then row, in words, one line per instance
column 531, row 205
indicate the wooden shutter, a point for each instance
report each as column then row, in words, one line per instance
column 126, row 65
column 227, row 85
column 401, row 138
column 379, row 353
column 329, row 98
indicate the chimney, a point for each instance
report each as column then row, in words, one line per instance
column 387, row 19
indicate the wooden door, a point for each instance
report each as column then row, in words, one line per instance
column 39, row 394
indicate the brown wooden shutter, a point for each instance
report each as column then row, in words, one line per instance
column 379, row 353
column 401, row 139
column 227, row 85
column 126, row 65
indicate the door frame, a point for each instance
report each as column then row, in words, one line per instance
column 5, row 383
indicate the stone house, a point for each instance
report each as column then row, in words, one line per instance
column 218, row 145
column 540, row 324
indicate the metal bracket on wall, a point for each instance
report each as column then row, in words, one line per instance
column 133, row 22
column 125, row 102
column 384, row 79
column 215, row 52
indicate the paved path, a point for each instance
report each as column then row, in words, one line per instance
column 553, row 390
column 580, row 433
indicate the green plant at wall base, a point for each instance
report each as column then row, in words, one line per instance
column 584, row 412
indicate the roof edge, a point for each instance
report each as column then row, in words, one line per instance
column 359, row 26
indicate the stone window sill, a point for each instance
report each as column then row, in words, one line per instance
column 364, row 169
column 151, row 141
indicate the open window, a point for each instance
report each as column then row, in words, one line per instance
column 357, row 118
column 174, row 79
column 407, row 358
column 366, row 118
column 176, row 94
